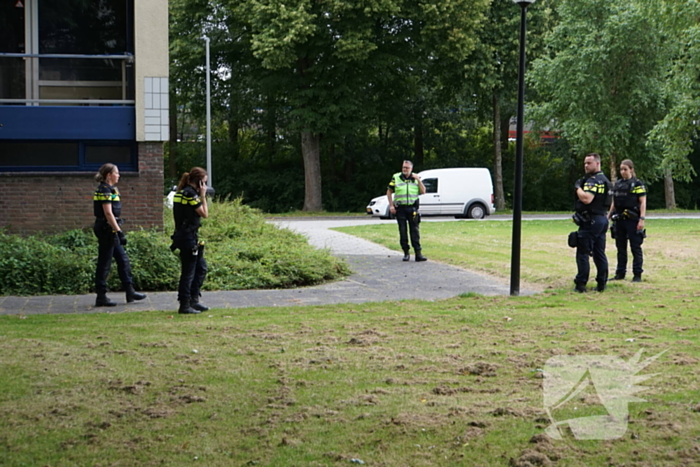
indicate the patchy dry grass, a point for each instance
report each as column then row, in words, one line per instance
column 455, row 383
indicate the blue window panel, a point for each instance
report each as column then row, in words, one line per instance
column 66, row 156
column 67, row 123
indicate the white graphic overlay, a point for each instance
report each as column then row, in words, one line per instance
column 611, row 378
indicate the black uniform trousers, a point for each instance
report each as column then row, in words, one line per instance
column 406, row 216
column 591, row 240
column 108, row 248
column 626, row 230
column 192, row 274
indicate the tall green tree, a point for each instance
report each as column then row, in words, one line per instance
column 677, row 131
column 601, row 82
column 238, row 89
column 330, row 59
column 190, row 21
column 493, row 70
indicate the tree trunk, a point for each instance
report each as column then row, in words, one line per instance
column 310, row 150
column 505, row 131
column 385, row 143
column 497, row 156
column 613, row 168
column 172, row 154
column 669, row 191
column 233, row 124
column 418, row 139
column 270, row 122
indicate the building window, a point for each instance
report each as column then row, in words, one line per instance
column 66, row 53
column 66, row 85
column 64, row 156
column 38, row 154
column 99, row 154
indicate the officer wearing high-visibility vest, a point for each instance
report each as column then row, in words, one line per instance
column 403, row 192
column 107, row 207
column 593, row 199
column 628, row 212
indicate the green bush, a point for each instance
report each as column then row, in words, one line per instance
column 33, row 266
column 153, row 265
column 242, row 251
column 74, row 240
column 245, row 252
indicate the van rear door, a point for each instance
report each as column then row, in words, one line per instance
column 430, row 201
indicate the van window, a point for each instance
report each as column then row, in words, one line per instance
column 431, row 185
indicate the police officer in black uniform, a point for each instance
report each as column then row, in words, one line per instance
column 628, row 212
column 189, row 206
column 593, row 198
column 107, row 207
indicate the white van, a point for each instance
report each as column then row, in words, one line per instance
column 460, row 192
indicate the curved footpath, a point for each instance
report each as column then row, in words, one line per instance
column 379, row 275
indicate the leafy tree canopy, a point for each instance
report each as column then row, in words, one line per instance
column 601, row 82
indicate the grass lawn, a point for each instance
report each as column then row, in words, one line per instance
column 671, row 259
column 458, row 382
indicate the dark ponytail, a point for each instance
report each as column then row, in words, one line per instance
column 191, row 178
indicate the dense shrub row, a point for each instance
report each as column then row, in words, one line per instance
column 242, row 250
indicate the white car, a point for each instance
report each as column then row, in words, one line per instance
column 463, row 192
column 379, row 207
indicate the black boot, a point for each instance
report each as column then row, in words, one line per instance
column 102, row 300
column 600, row 287
column 406, row 256
column 637, row 278
column 618, row 277
column 132, row 295
column 194, row 303
column 580, row 287
column 186, row 309
column 420, row 257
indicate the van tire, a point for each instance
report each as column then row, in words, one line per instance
column 476, row 211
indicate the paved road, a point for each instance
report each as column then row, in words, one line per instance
column 379, row 275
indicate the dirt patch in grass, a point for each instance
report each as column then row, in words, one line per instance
column 479, row 369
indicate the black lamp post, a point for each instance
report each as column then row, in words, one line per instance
column 518, row 193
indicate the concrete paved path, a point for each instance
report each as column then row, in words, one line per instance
column 379, row 275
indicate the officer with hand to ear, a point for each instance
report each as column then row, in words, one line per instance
column 402, row 193
column 189, row 207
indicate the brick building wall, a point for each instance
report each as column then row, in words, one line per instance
column 34, row 202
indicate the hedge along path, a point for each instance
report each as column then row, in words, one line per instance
column 243, row 252
column 376, row 277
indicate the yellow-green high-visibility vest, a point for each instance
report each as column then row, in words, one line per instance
column 406, row 192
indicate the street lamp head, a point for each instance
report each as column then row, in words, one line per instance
column 524, row 3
